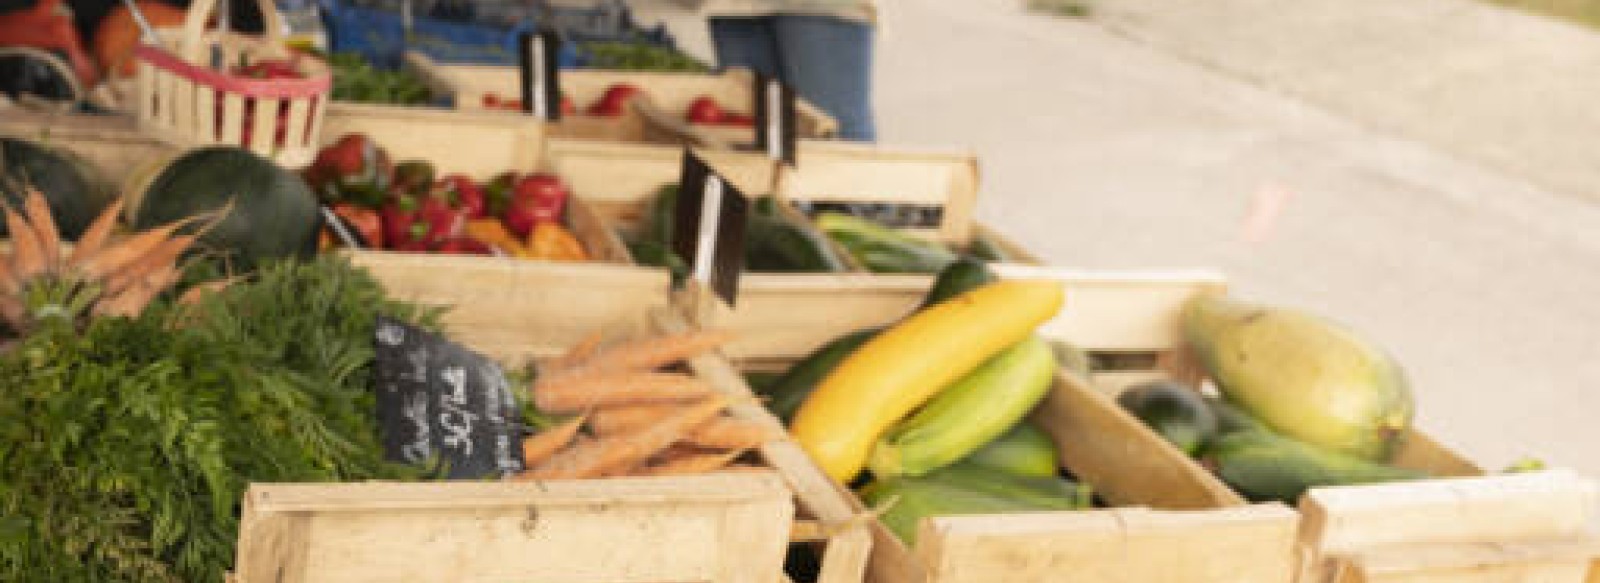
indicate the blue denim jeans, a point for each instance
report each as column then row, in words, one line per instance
column 826, row 60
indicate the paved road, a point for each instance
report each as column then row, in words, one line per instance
column 1102, row 149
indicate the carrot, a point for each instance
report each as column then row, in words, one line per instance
column 540, row 446
column 27, row 259
column 728, row 433
column 95, row 237
column 44, row 227
column 615, row 389
column 650, row 353
column 163, row 253
column 621, row 452
column 113, row 258
column 133, row 300
column 12, row 310
column 628, row 418
column 698, row 463
column 579, row 352
column 200, row 290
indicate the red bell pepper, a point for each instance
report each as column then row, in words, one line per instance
column 538, row 198
column 465, row 194
column 366, row 223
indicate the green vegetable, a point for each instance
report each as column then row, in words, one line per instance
column 1265, row 466
column 70, row 184
column 273, row 213
column 354, row 79
column 777, row 242
column 785, row 394
column 882, row 249
column 625, row 56
column 958, row 490
column 961, row 276
column 969, row 413
column 1174, row 411
column 987, row 249
column 127, row 446
column 1025, row 451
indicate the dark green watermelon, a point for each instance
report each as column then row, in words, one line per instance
column 274, row 213
column 73, row 188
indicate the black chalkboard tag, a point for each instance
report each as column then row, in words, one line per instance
column 775, row 119
column 711, row 219
column 441, row 403
column 541, row 80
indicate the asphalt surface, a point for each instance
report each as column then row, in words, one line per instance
column 1137, row 139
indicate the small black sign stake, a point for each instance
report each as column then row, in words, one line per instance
column 541, row 82
column 775, row 119
column 711, row 217
column 439, row 402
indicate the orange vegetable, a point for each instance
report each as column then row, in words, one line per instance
column 493, row 233
column 647, row 353
column 692, row 462
column 539, row 447
column 728, row 433
column 621, row 453
column 628, row 418
column 118, row 34
column 551, row 242
column 573, row 394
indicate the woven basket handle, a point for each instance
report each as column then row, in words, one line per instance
column 192, row 47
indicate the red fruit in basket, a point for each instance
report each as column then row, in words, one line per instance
column 464, row 194
column 705, row 110
column 614, row 102
column 738, row 120
column 537, row 198
column 401, row 224
column 444, row 219
column 463, row 246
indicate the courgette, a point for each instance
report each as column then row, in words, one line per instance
column 784, row 395
column 961, row 276
column 1024, row 450
column 882, row 249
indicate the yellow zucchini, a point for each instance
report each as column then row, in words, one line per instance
column 900, row 369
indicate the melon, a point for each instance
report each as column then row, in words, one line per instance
column 71, row 185
column 273, row 214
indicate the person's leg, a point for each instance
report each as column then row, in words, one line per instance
column 745, row 42
column 829, row 62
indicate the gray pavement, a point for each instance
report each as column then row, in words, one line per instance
column 1106, row 147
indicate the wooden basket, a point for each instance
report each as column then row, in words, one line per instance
column 477, row 145
column 658, row 118
column 181, row 99
column 1464, row 526
column 565, row 303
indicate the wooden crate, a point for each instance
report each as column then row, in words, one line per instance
column 537, row 310
column 113, row 145
column 478, row 145
column 728, row 527
column 659, row 118
column 1171, row 520
column 1464, row 526
column 784, row 315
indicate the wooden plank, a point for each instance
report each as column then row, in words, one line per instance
column 839, row 172
column 516, row 309
column 114, row 146
column 205, row 109
column 299, row 121
column 1121, row 310
column 1126, row 462
column 263, row 136
column 1505, row 507
column 1555, row 561
column 714, row 527
column 232, row 119
column 850, row 545
column 478, row 145
column 1237, row 545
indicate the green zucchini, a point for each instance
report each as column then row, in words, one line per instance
column 961, row 276
column 785, row 394
column 1024, row 450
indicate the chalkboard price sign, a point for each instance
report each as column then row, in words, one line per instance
column 439, row 403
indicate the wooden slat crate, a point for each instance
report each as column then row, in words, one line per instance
column 1463, row 526
column 660, row 118
column 1170, row 519
column 728, row 527
column 478, row 145
column 537, row 310
column 113, row 145
column 786, row 314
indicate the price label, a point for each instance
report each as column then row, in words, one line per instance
column 710, row 223
column 541, row 79
column 775, row 119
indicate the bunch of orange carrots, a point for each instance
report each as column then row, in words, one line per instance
column 633, row 416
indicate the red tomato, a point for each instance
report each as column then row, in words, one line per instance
column 705, row 110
